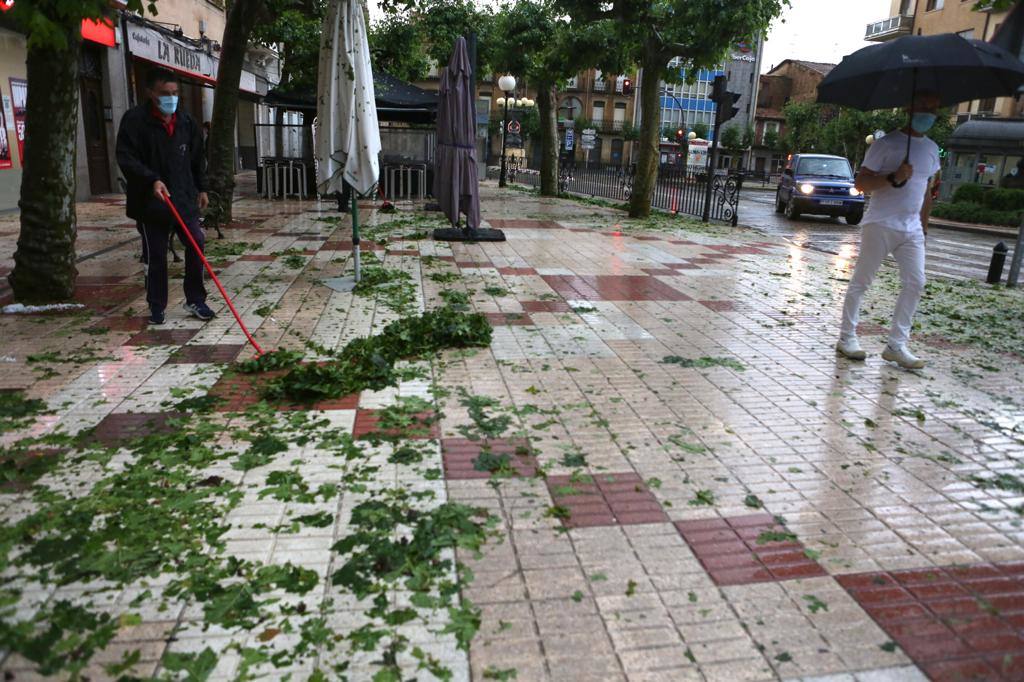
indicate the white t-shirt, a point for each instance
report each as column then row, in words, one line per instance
column 899, row 208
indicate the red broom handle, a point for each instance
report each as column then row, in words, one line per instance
column 202, row 257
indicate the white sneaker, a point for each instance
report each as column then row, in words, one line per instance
column 902, row 357
column 850, row 349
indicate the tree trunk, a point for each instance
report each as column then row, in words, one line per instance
column 647, row 158
column 44, row 264
column 241, row 19
column 546, row 109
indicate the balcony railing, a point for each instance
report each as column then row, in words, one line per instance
column 892, row 27
column 600, row 86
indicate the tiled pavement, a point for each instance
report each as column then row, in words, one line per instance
column 769, row 513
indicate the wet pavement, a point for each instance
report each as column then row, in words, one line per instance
column 681, row 481
column 960, row 255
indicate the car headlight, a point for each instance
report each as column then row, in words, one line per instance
column 807, row 188
column 854, row 192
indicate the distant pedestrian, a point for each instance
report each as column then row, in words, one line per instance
column 160, row 151
column 895, row 224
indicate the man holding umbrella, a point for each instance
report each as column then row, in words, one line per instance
column 928, row 72
column 895, row 224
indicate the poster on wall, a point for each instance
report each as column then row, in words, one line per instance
column 19, row 98
column 5, row 143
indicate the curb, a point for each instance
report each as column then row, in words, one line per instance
column 989, row 230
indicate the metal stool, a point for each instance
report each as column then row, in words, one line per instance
column 296, row 171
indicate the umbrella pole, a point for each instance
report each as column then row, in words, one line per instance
column 355, row 233
column 910, row 121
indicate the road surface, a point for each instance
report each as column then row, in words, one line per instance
column 960, row 255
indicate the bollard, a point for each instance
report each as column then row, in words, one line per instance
column 995, row 268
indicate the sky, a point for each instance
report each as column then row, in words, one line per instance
column 812, row 30
column 821, row 30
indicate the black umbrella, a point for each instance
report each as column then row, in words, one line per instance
column 951, row 67
column 948, row 66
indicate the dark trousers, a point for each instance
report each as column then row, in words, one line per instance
column 154, row 251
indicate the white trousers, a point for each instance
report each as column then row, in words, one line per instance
column 877, row 242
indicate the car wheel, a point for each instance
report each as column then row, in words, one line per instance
column 854, row 218
column 791, row 212
column 780, row 206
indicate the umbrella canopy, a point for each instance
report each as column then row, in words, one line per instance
column 347, row 142
column 955, row 69
column 455, row 175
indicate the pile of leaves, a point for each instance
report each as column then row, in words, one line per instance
column 369, row 363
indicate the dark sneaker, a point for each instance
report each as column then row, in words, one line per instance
column 156, row 316
column 200, row 310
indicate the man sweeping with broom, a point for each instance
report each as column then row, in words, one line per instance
column 160, row 151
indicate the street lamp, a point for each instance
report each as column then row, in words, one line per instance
column 691, row 136
column 506, row 84
column 870, row 139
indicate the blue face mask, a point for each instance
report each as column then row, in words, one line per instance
column 922, row 122
column 168, row 104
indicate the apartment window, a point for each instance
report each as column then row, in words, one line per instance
column 968, row 34
column 620, row 115
column 598, row 113
column 572, row 83
column 933, row 5
column 769, row 127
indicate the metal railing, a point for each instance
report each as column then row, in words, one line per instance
column 676, row 190
column 897, row 25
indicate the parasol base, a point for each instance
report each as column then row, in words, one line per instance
column 342, row 285
column 454, row 234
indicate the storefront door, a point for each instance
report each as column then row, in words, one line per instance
column 92, row 119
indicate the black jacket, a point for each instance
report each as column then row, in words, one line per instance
column 146, row 154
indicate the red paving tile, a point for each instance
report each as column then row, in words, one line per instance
column 99, row 279
column 684, row 266
column 735, row 550
column 504, row 224
column 368, row 423
column 105, row 297
column 959, row 623
column 460, row 457
column 614, row 288
column 667, row 272
column 161, row 337
column 719, row 306
column 605, row 499
column 346, row 245
column 258, row 257
column 508, row 319
column 403, row 252
column 517, row 271
column 199, row 353
column 117, row 428
column 122, row 323
column 241, row 391
column 546, row 306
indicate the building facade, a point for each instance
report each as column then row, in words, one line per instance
column 591, row 98
column 115, row 57
column 686, row 105
column 931, row 17
column 793, row 80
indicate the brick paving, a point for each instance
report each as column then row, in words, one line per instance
column 690, row 485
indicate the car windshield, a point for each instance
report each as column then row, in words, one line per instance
column 839, row 168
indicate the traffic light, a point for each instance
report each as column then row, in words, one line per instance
column 627, row 86
column 679, row 135
column 725, row 101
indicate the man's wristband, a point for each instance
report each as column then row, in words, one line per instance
column 891, row 177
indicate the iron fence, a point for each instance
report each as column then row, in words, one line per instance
column 676, row 189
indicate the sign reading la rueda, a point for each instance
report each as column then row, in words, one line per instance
column 153, row 46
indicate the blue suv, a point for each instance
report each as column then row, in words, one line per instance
column 819, row 184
